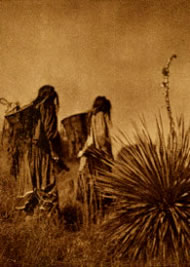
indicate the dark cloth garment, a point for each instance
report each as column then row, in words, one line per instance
column 46, row 144
column 35, row 145
column 40, row 167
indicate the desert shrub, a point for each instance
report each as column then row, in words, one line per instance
column 151, row 187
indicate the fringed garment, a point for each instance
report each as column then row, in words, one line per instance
column 96, row 148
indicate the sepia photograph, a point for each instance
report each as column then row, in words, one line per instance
column 94, row 133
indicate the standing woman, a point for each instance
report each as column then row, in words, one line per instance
column 99, row 138
column 45, row 151
column 98, row 142
column 44, row 135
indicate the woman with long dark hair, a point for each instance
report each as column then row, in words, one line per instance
column 43, row 138
column 45, row 149
column 99, row 138
column 96, row 151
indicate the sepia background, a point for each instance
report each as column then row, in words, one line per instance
column 97, row 47
column 139, row 208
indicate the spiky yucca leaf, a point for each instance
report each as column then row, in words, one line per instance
column 151, row 185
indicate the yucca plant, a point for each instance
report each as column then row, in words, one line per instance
column 150, row 184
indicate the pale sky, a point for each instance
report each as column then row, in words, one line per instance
column 97, row 47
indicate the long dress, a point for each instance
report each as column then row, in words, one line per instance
column 41, row 148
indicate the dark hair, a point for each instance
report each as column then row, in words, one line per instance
column 101, row 103
column 47, row 93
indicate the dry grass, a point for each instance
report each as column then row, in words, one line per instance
column 45, row 244
column 38, row 241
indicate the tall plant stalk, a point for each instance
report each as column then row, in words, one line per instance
column 165, row 84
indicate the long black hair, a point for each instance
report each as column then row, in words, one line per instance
column 47, row 94
column 101, row 104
